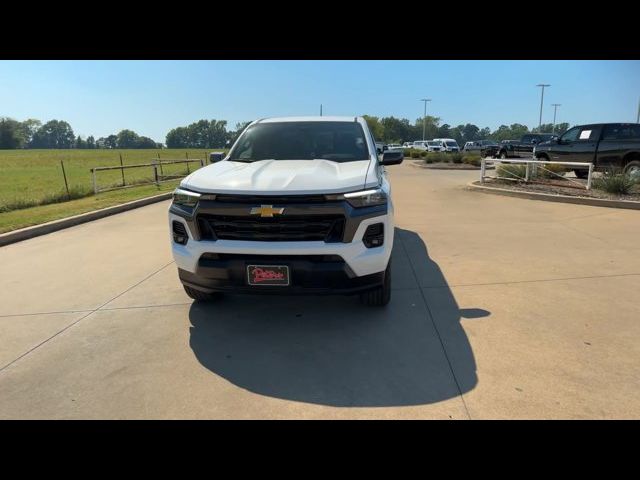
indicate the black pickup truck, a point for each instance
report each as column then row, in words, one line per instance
column 605, row 145
column 518, row 149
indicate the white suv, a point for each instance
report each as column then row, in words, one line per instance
column 298, row 205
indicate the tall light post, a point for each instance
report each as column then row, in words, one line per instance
column 541, row 101
column 424, row 118
column 555, row 108
column 638, row 117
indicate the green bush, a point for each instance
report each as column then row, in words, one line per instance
column 456, row 157
column 544, row 171
column 428, row 160
column 415, row 154
column 615, row 181
column 471, row 159
column 511, row 171
column 423, row 154
column 436, row 157
column 407, row 152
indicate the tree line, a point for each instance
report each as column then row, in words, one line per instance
column 32, row 133
column 400, row 130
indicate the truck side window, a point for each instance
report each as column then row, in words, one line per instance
column 613, row 132
column 571, row 135
column 589, row 134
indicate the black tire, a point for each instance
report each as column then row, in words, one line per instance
column 199, row 296
column 502, row 155
column 633, row 168
column 581, row 173
column 381, row 295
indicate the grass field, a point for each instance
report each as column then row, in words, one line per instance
column 30, row 177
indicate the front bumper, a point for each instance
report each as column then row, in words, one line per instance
column 315, row 275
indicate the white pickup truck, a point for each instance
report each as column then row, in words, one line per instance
column 300, row 205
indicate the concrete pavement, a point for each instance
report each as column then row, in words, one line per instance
column 501, row 308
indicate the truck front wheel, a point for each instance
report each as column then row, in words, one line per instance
column 381, row 295
column 633, row 169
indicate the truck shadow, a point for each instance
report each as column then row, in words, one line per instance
column 334, row 351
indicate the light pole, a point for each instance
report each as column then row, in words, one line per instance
column 638, row 117
column 320, row 109
column 541, row 100
column 424, row 118
column 555, row 107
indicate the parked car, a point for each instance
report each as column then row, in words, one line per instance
column 522, row 148
column 420, row 145
column 299, row 205
column 407, row 145
column 394, row 146
column 479, row 146
column 603, row 144
column 433, row 146
column 449, row 144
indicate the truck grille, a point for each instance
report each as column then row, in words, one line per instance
column 328, row 228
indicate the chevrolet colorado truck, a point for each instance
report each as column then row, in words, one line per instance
column 606, row 145
column 299, row 205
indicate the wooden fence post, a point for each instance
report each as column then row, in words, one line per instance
column 66, row 185
column 122, row 170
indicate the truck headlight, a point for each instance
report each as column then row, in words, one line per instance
column 366, row 198
column 185, row 198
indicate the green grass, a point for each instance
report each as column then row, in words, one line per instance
column 36, row 174
column 27, row 217
column 32, row 188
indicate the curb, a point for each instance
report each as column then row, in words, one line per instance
column 594, row 202
column 54, row 226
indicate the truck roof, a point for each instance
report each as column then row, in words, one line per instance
column 310, row 118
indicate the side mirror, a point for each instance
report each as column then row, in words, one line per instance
column 385, row 148
column 215, row 157
column 392, row 158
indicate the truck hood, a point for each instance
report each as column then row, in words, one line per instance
column 272, row 177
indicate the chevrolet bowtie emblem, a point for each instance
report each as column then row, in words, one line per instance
column 266, row 211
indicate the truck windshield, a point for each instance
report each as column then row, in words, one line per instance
column 451, row 144
column 335, row 141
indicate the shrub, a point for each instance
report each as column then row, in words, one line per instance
column 436, row 157
column 456, row 157
column 415, row 154
column 616, row 182
column 511, row 171
column 407, row 152
column 429, row 160
column 471, row 159
column 423, row 154
column 544, row 171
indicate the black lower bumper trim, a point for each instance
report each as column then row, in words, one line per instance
column 308, row 276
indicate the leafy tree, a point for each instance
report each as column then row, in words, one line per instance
column 27, row 130
column 396, row 130
column 177, row 138
column 111, row 141
column 54, row 134
column 484, row 133
column 377, row 129
column 146, row 142
column 431, row 128
column 127, row 139
column 80, row 143
column 10, row 137
column 91, row 142
column 444, row 131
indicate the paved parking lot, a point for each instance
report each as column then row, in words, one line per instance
column 501, row 308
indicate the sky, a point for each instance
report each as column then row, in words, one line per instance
column 151, row 97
